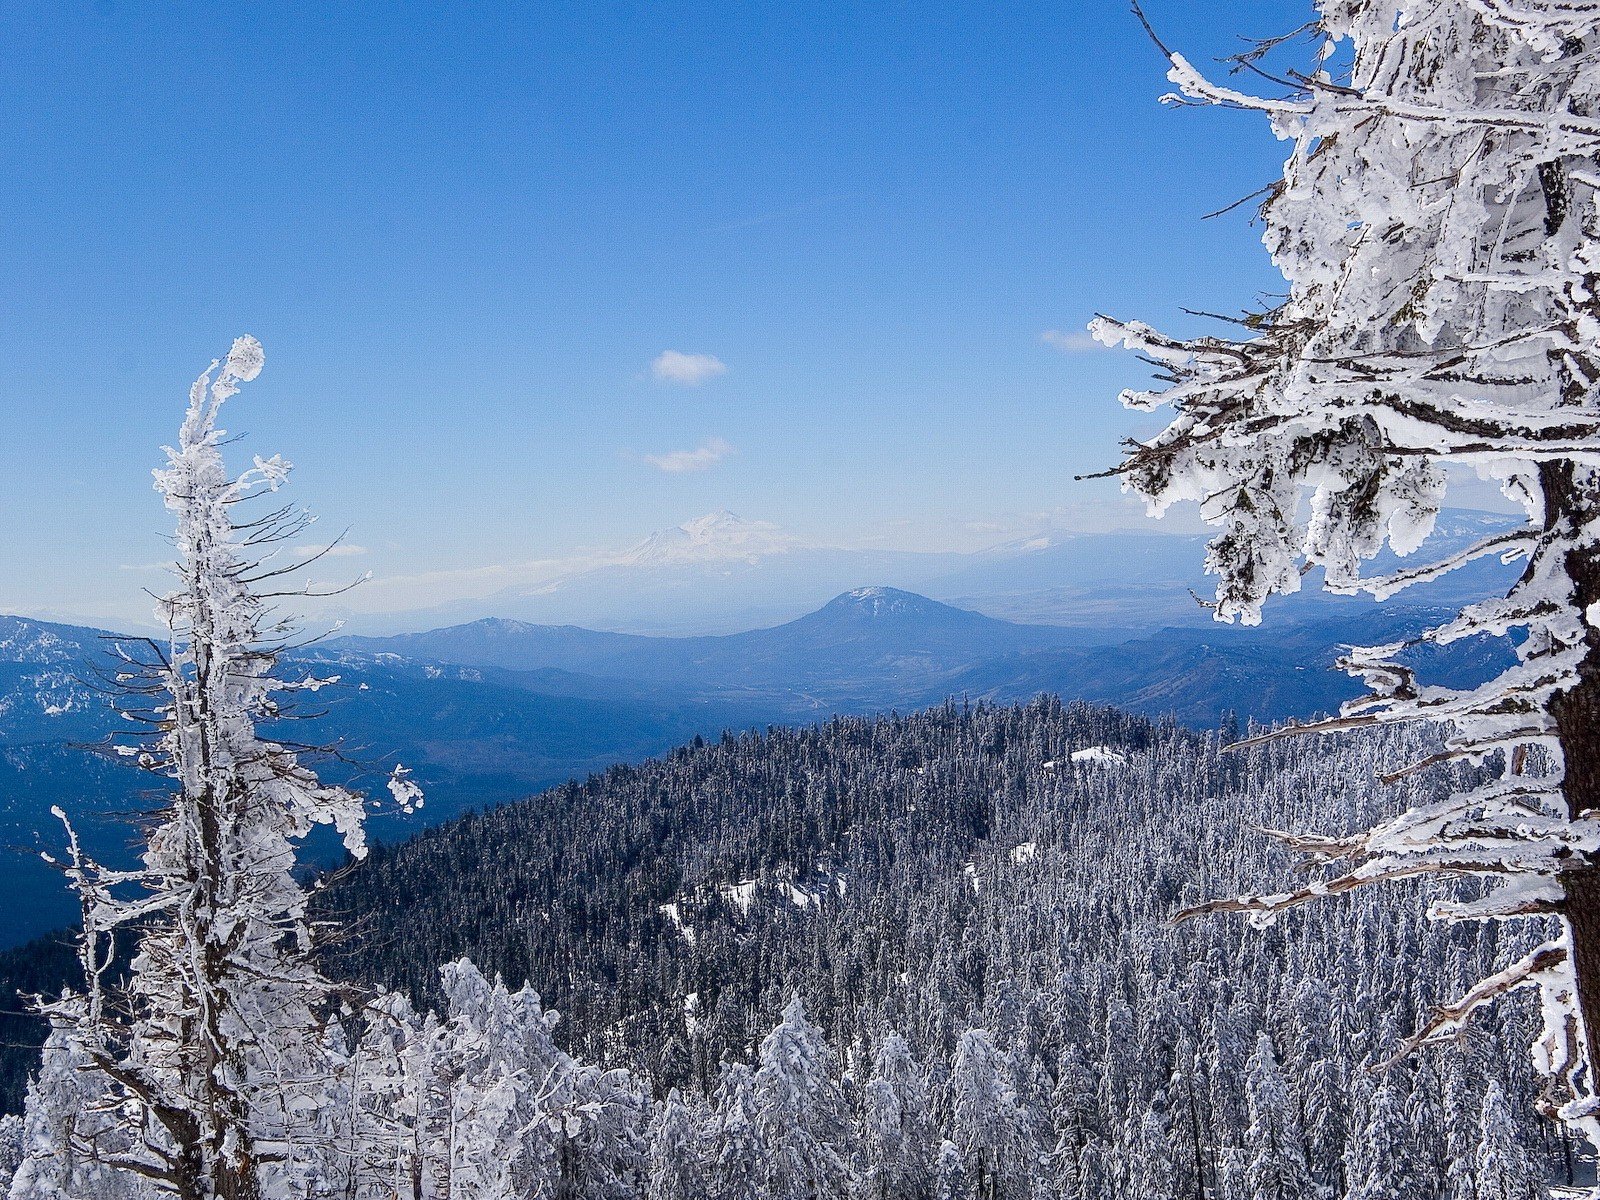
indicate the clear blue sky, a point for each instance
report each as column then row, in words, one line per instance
column 463, row 232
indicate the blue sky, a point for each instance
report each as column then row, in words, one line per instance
column 465, row 232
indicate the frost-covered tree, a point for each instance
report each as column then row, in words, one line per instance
column 799, row 1110
column 987, row 1123
column 736, row 1150
column 1503, row 1169
column 1154, row 1173
column 1274, row 1142
column 950, row 1174
column 70, row 1133
column 1436, row 225
column 676, row 1169
column 897, row 1146
column 210, row 1052
column 1378, row 1161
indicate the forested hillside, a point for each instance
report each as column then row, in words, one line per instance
column 996, row 884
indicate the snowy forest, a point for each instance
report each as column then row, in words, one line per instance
column 980, row 951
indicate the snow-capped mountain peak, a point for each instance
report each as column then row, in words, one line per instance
column 885, row 602
column 716, row 537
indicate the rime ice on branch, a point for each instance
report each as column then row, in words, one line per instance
column 1436, row 223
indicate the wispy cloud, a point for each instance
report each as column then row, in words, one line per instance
column 686, row 370
column 705, row 456
column 1077, row 342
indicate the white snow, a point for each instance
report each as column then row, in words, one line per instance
column 741, row 895
column 675, row 915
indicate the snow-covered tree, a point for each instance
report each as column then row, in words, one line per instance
column 70, row 1133
column 1436, row 225
column 1155, row 1173
column 800, row 1113
column 1462, row 1118
column 608, row 1156
column 11, row 1151
column 676, row 1168
column 1274, row 1143
column 1378, row 1157
column 210, row 1051
column 897, row 1146
column 987, row 1124
column 736, row 1150
column 950, row 1174
column 1503, row 1170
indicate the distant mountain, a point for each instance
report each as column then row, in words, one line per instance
column 866, row 648
column 1200, row 675
column 721, row 573
column 716, row 537
column 716, row 573
column 872, row 649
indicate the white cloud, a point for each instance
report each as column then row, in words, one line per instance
column 687, row 370
column 1076, row 342
column 705, row 456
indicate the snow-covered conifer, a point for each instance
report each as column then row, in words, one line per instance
column 800, row 1113
column 897, row 1146
column 951, row 1182
column 676, row 1168
column 1379, row 1163
column 1274, row 1142
column 1155, row 1172
column 210, row 1050
column 1462, row 1117
column 986, row 1123
column 1503, row 1170
column 736, row 1150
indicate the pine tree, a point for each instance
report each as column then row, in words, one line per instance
column 897, row 1144
column 1378, row 1160
column 676, row 1170
column 1462, row 1117
column 1155, row 1174
column 211, row 1049
column 951, row 1181
column 737, row 1151
column 986, row 1124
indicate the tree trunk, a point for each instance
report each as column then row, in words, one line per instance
column 1577, row 717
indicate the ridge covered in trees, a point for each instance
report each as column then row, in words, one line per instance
column 983, row 895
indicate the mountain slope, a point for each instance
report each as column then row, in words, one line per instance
column 1009, row 869
column 471, row 736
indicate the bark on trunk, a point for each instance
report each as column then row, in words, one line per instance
column 1577, row 717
